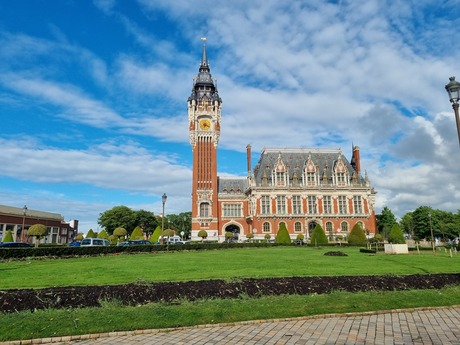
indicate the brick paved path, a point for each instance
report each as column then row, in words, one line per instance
column 433, row 326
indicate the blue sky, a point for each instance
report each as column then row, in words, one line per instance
column 93, row 96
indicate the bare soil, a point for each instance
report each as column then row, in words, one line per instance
column 171, row 292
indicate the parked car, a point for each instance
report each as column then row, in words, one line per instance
column 100, row 242
column 73, row 244
column 15, row 245
column 183, row 242
column 135, row 243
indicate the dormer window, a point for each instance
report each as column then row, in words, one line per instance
column 310, row 172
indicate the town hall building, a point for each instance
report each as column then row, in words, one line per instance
column 297, row 187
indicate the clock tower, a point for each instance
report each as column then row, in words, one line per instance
column 204, row 114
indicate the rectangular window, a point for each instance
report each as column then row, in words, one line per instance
column 296, row 204
column 63, row 231
column 341, row 179
column 312, row 204
column 280, row 178
column 311, row 179
column 204, row 209
column 327, row 204
column 232, row 210
column 342, row 204
column 357, row 205
column 265, row 204
column 281, row 204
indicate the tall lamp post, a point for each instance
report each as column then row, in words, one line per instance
column 163, row 199
column 23, row 230
column 453, row 89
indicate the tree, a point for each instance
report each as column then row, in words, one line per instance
column 282, row 236
column 146, row 220
column 8, row 237
column 90, row 234
column 423, row 223
column 385, row 221
column 396, row 235
column 203, row 234
column 357, row 235
column 137, row 234
column 250, row 236
column 180, row 222
column 267, row 237
column 79, row 237
column 318, row 236
column 38, row 231
column 118, row 216
column 228, row 236
column 120, row 233
column 407, row 224
column 103, row 234
column 156, row 235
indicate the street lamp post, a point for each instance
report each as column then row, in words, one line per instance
column 453, row 89
column 23, row 230
column 163, row 199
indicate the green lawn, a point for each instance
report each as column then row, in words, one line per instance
column 215, row 264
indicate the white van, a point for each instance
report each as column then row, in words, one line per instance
column 172, row 239
column 99, row 242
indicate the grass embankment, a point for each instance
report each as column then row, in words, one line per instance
column 223, row 264
column 216, row 264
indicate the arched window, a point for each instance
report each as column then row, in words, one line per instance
column 279, row 225
column 266, row 227
column 344, row 226
column 298, row 227
column 204, row 209
column 329, row 227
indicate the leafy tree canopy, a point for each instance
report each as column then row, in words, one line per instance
column 156, row 235
column 385, row 221
column 120, row 233
column 103, row 234
column 37, row 231
column 118, row 216
column 203, row 234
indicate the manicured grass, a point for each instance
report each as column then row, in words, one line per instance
column 216, row 264
column 111, row 317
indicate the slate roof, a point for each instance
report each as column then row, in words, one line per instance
column 232, row 185
column 295, row 160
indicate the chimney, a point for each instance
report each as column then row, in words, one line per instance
column 356, row 159
column 248, row 153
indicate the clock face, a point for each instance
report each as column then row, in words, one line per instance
column 205, row 125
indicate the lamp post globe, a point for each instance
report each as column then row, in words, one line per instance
column 453, row 90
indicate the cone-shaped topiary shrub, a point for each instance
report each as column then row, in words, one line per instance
column 282, row 237
column 318, row 236
column 357, row 235
column 90, row 234
column 103, row 234
column 396, row 235
column 137, row 234
column 156, row 235
column 8, row 237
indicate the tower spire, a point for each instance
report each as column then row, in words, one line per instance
column 204, row 58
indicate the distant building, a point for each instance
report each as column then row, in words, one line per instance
column 16, row 219
column 297, row 187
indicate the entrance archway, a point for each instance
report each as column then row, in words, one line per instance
column 235, row 230
column 311, row 226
